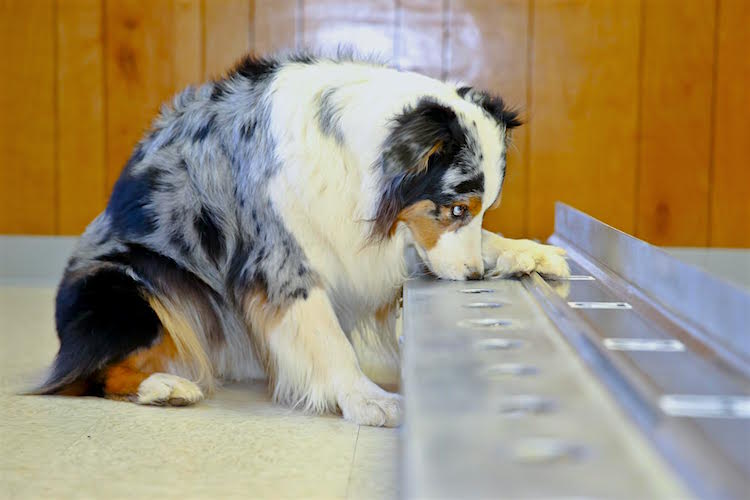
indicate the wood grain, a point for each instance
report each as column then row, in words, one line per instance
column 636, row 109
column 275, row 26
column 421, row 37
column 187, row 43
column 489, row 49
column 227, row 34
column 80, row 114
column 367, row 26
column 27, row 119
column 139, row 73
column 583, row 111
column 675, row 122
column 730, row 196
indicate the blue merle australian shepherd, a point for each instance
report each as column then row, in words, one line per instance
column 259, row 231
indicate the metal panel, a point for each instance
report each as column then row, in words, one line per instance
column 499, row 404
column 721, row 310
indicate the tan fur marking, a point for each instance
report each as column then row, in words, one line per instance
column 422, row 165
column 124, row 378
column 181, row 327
column 261, row 318
column 122, row 381
column 475, row 205
column 424, row 226
column 427, row 228
column 77, row 388
column 384, row 312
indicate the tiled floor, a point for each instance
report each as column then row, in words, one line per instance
column 237, row 444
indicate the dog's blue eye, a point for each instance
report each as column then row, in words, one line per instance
column 458, row 211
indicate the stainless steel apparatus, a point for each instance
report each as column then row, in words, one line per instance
column 630, row 379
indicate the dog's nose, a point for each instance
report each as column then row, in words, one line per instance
column 474, row 275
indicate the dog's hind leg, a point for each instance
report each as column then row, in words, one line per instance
column 141, row 378
column 117, row 338
column 312, row 365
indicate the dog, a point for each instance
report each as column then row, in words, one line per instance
column 259, row 230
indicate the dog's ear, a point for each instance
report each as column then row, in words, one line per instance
column 494, row 105
column 419, row 133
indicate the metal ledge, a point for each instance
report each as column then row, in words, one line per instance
column 715, row 310
column 499, row 404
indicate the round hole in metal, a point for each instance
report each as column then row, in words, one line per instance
column 548, row 450
column 485, row 323
column 483, row 305
column 498, row 344
column 526, row 404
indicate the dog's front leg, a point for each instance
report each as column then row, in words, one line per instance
column 506, row 257
column 314, row 365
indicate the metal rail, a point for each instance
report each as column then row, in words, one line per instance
column 531, row 388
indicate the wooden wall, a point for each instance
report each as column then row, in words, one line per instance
column 638, row 112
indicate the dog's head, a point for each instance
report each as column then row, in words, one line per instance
column 443, row 165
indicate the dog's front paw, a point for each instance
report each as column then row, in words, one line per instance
column 525, row 256
column 368, row 404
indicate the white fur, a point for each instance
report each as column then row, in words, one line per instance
column 165, row 388
column 458, row 254
column 508, row 257
column 327, row 192
column 317, row 370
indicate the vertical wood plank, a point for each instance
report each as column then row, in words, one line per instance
column 187, row 43
column 368, row 26
column 139, row 73
column 227, row 31
column 27, row 117
column 675, row 122
column 275, row 26
column 420, row 34
column 488, row 48
column 80, row 114
column 583, row 111
column 730, row 194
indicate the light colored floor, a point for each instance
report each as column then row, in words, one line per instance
column 237, row 444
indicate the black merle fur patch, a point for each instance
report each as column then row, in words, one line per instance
column 303, row 58
column 328, row 116
column 473, row 185
column 236, row 278
column 219, row 92
column 204, row 130
column 129, row 203
column 256, row 69
column 247, row 130
column 210, row 235
column 493, row 105
column 136, row 157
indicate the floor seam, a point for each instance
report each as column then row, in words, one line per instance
column 351, row 467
